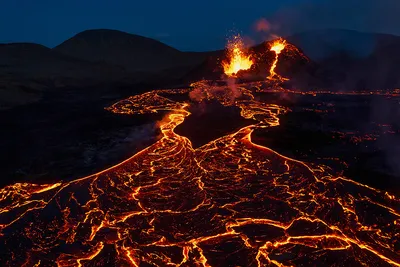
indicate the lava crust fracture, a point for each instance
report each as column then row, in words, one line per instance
column 230, row 202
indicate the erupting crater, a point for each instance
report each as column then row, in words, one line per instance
column 225, row 201
column 237, row 57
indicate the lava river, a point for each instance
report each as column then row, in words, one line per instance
column 229, row 202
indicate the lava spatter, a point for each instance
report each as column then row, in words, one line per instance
column 230, row 202
column 237, row 57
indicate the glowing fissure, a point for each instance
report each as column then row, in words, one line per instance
column 171, row 204
column 277, row 46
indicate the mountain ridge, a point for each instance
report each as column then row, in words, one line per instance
column 131, row 51
column 109, row 57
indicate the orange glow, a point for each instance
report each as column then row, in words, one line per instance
column 277, row 47
column 237, row 58
column 171, row 204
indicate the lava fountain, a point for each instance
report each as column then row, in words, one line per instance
column 237, row 58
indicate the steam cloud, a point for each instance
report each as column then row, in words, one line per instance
column 263, row 25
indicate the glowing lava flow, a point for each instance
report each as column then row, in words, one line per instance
column 237, row 58
column 277, row 47
column 230, row 202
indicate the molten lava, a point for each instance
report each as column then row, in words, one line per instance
column 230, row 202
column 277, row 47
column 237, row 58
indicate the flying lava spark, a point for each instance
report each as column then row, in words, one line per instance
column 237, row 59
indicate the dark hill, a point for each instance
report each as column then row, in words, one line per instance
column 27, row 71
column 133, row 52
column 33, row 60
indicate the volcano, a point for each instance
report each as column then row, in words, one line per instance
column 208, row 189
column 292, row 64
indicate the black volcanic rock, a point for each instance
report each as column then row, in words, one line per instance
column 133, row 52
column 218, row 119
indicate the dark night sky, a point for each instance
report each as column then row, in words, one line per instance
column 188, row 25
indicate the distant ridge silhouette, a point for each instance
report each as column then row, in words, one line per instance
column 339, row 60
column 133, row 52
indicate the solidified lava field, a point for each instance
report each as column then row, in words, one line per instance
column 227, row 202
